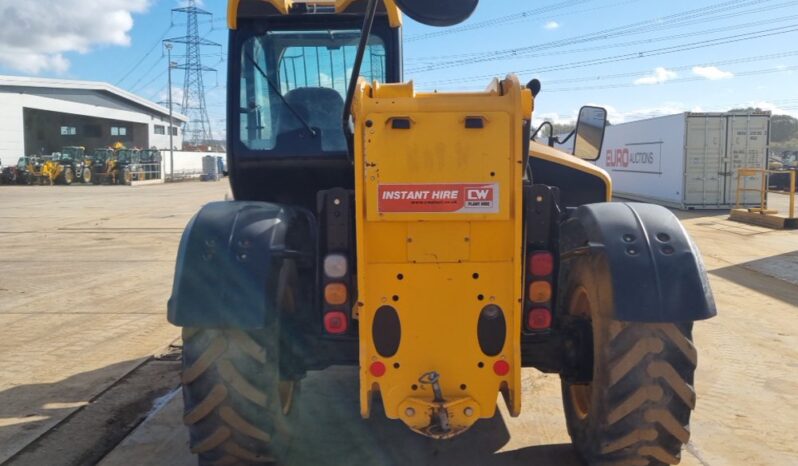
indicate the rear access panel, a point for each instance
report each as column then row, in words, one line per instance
column 438, row 191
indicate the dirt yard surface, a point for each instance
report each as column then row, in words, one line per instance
column 85, row 272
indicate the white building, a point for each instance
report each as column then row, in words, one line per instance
column 40, row 116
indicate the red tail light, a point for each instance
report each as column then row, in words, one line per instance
column 541, row 264
column 539, row 319
column 335, row 322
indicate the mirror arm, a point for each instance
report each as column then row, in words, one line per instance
column 555, row 139
column 535, row 134
column 368, row 22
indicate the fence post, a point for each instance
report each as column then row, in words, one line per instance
column 792, row 193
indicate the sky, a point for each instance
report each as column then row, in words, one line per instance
column 637, row 58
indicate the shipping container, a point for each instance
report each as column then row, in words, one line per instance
column 688, row 160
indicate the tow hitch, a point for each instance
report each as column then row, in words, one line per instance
column 439, row 420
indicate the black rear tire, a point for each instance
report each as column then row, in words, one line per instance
column 68, row 176
column 239, row 409
column 636, row 409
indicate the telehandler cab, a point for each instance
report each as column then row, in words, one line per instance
column 103, row 165
column 72, row 165
column 128, row 166
column 424, row 238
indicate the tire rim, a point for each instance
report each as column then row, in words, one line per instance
column 581, row 394
column 69, row 177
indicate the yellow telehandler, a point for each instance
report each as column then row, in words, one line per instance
column 426, row 239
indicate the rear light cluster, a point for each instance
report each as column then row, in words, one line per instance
column 539, row 291
column 336, row 294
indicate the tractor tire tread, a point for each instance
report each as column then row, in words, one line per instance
column 228, row 415
column 218, row 437
column 650, row 394
column 234, row 420
column 243, row 454
column 204, row 362
column 233, row 377
column 205, row 407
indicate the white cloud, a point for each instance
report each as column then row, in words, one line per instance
column 660, row 76
column 712, row 73
column 551, row 25
column 35, row 35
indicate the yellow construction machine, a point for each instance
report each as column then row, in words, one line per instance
column 426, row 239
column 52, row 171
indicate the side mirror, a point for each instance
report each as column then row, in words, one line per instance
column 438, row 12
column 589, row 135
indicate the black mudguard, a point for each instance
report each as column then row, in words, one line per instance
column 648, row 267
column 228, row 263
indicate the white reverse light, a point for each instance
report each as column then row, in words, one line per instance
column 335, row 266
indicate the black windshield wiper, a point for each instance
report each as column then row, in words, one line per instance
column 277, row 91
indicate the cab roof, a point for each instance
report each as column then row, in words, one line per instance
column 258, row 8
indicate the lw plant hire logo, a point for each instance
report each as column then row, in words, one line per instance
column 479, row 198
column 455, row 197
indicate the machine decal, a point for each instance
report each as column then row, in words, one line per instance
column 456, row 197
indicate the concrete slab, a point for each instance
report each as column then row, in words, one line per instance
column 158, row 441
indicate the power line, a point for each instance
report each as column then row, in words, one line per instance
column 642, row 54
column 549, row 116
column 671, row 37
column 686, row 18
column 198, row 129
column 159, row 76
column 632, row 74
column 515, row 17
column 740, row 74
column 134, row 87
column 144, row 57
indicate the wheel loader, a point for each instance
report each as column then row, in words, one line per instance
column 426, row 240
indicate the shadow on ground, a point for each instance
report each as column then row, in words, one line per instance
column 26, row 411
column 331, row 432
column 755, row 275
column 75, row 421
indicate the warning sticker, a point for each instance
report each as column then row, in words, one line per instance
column 471, row 198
